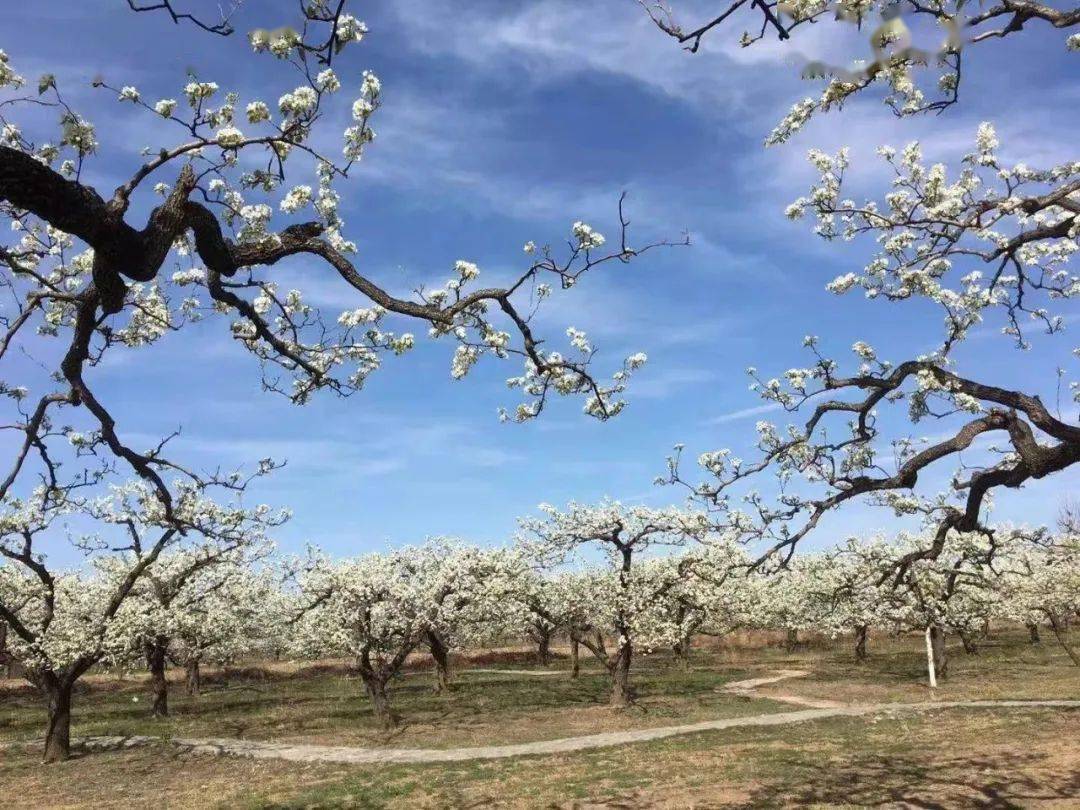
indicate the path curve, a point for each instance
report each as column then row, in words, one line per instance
column 379, row 756
column 747, row 689
column 536, row 673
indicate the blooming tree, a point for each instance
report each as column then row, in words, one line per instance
column 60, row 627
column 379, row 608
column 200, row 602
column 896, row 51
column 366, row 609
column 542, row 603
column 546, row 603
column 240, row 187
column 959, row 591
column 784, row 600
column 622, row 598
column 237, row 616
column 1042, row 583
column 467, row 591
column 936, row 235
column 63, row 623
column 847, row 592
column 712, row 595
column 83, row 274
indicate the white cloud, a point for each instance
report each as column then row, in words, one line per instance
column 559, row 38
column 668, row 381
column 744, row 413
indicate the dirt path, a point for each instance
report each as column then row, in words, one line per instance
column 536, row 673
column 746, row 689
column 372, row 756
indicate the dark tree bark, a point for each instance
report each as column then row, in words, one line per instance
column 58, row 735
column 791, row 642
column 617, row 664
column 56, row 686
column 970, row 647
column 159, row 686
column 681, row 651
column 861, row 634
column 376, row 672
column 543, row 648
column 575, row 660
column 621, row 693
column 193, row 677
column 380, row 701
column 124, row 253
column 678, row 650
column 941, row 657
column 1033, row 633
column 440, row 652
column 1059, row 627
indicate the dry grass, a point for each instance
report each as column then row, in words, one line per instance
column 326, row 705
column 1004, row 666
column 953, row 758
column 149, row 777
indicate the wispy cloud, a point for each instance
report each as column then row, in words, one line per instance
column 670, row 381
column 545, row 41
column 744, row 413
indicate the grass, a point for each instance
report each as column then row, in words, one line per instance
column 947, row 758
column 1004, row 666
column 327, row 706
column 951, row 759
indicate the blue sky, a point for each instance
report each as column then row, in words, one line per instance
column 506, row 121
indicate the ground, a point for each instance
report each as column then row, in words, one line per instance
column 939, row 758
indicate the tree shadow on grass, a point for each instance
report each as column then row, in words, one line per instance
column 907, row 780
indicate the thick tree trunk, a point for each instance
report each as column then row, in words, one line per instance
column 575, row 662
column 621, row 694
column 1059, row 628
column 440, row 652
column 969, row 644
column 380, row 702
column 1033, row 633
column 58, row 735
column 681, row 651
column 159, row 687
column 792, row 640
column 941, row 658
column 861, row 633
column 193, row 677
column 543, row 649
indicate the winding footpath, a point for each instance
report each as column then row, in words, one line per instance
column 818, row 709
